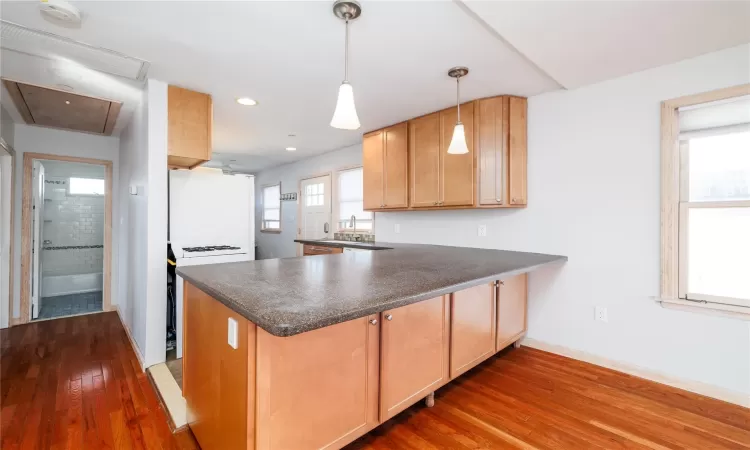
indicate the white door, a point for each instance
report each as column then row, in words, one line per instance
column 315, row 220
column 36, row 244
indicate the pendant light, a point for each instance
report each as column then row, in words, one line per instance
column 458, row 142
column 345, row 115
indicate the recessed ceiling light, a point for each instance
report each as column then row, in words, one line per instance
column 291, row 149
column 67, row 102
column 246, row 101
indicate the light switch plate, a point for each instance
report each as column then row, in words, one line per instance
column 397, row 228
column 232, row 333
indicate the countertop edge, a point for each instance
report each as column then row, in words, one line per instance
column 344, row 244
column 282, row 331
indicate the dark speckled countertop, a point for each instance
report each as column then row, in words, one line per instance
column 289, row 296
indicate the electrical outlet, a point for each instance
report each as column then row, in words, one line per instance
column 397, row 228
column 482, row 230
column 232, row 333
column 600, row 314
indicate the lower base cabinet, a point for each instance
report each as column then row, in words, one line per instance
column 413, row 354
column 317, row 390
column 325, row 388
column 511, row 310
column 473, row 321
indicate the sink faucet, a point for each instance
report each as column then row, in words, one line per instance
column 353, row 222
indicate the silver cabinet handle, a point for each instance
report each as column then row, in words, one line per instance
column 498, row 200
column 502, row 282
column 388, row 317
column 374, row 321
column 434, row 203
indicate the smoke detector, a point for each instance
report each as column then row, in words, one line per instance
column 60, row 12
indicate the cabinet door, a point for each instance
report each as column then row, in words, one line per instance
column 492, row 133
column 373, row 172
column 396, row 164
column 424, row 150
column 511, row 310
column 517, row 151
column 317, row 389
column 457, row 171
column 472, row 327
column 414, row 354
column 189, row 116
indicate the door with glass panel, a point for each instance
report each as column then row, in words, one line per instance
column 315, row 208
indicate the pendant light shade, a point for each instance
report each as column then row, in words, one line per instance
column 345, row 114
column 458, row 141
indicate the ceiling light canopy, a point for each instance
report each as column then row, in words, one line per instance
column 458, row 142
column 345, row 114
column 291, row 149
column 246, row 101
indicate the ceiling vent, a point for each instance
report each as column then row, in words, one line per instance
column 50, row 46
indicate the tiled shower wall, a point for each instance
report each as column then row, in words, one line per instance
column 71, row 221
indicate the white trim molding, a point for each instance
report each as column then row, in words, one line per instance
column 130, row 338
column 738, row 398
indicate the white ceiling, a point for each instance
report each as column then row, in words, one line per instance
column 289, row 57
column 584, row 42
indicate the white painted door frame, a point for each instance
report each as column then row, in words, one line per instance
column 36, row 247
column 325, row 211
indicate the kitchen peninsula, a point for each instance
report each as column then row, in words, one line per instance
column 315, row 351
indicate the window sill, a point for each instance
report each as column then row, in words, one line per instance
column 271, row 231
column 714, row 309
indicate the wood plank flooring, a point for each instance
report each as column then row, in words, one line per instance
column 529, row 399
column 75, row 383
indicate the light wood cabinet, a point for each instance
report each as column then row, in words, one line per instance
column 310, row 250
column 491, row 175
column 511, row 310
column 424, row 156
column 414, row 354
column 385, row 163
column 473, row 321
column 190, row 128
column 456, row 171
column 317, row 389
column 218, row 415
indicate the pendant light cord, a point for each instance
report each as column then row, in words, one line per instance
column 458, row 99
column 346, row 52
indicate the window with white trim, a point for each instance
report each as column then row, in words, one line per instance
column 351, row 202
column 271, row 203
column 714, row 202
column 85, row 186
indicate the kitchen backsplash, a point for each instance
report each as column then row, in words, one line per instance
column 358, row 237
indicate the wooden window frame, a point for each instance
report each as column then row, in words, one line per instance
column 670, row 230
column 263, row 228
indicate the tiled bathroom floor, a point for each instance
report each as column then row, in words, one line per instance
column 68, row 305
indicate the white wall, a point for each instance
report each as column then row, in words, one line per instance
column 281, row 245
column 594, row 196
column 143, row 259
column 68, row 143
column 7, row 127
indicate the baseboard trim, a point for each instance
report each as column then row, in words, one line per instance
column 130, row 338
column 696, row 387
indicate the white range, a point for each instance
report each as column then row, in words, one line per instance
column 211, row 221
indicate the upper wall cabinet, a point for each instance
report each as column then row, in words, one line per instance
column 384, row 153
column 491, row 175
column 190, row 119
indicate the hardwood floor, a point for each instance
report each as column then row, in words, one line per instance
column 525, row 398
column 76, row 383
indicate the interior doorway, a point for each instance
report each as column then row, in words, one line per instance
column 66, row 237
